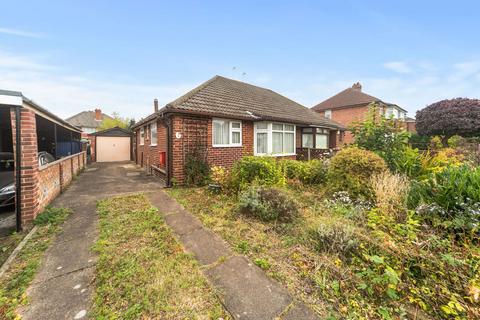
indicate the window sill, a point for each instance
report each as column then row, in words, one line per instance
column 153, row 145
column 226, row 145
column 275, row 155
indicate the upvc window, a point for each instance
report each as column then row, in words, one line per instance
column 321, row 141
column 226, row 133
column 307, row 138
column 328, row 114
column 142, row 136
column 274, row 138
column 153, row 134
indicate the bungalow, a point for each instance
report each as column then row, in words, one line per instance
column 224, row 120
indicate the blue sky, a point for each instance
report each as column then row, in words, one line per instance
column 119, row 55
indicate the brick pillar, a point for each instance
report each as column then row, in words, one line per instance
column 177, row 163
column 29, row 164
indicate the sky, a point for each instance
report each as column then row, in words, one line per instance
column 71, row 56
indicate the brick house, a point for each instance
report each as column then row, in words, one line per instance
column 27, row 129
column 225, row 120
column 351, row 105
column 88, row 121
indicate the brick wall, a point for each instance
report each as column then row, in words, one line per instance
column 347, row 116
column 55, row 177
column 147, row 155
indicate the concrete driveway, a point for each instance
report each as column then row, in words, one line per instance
column 63, row 286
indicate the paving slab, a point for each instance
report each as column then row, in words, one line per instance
column 246, row 291
column 300, row 311
column 205, row 246
column 183, row 223
column 166, row 204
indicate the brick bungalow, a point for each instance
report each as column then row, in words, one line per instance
column 224, row 120
column 351, row 105
column 27, row 129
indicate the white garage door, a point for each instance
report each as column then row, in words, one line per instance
column 111, row 149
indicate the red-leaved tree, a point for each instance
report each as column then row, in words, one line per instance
column 446, row 118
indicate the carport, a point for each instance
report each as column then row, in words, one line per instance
column 37, row 130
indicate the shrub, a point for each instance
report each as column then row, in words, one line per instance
column 443, row 159
column 418, row 141
column 334, row 237
column 259, row 170
column 307, row 172
column 409, row 162
column 351, row 169
column 267, row 204
column 391, row 192
column 451, row 196
column 341, row 204
column 196, row 169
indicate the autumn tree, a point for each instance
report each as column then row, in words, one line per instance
column 446, row 118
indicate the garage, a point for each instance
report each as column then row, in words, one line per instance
column 113, row 145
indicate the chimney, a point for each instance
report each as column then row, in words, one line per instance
column 357, row 86
column 98, row 114
column 155, row 105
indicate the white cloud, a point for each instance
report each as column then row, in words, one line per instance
column 68, row 94
column 21, row 33
column 398, row 67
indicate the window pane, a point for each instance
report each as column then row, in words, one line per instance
column 307, row 130
column 277, row 143
column 322, row 141
column 261, row 143
column 236, row 125
column 277, row 126
column 289, row 143
column 289, row 127
column 261, row 125
column 307, row 140
column 220, row 132
column 236, row 137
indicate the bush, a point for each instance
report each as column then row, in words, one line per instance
column 449, row 197
column 409, row 162
column 267, row 204
column 259, row 170
column 351, row 169
column 196, row 169
column 334, row 237
column 307, row 172
column 418, row 141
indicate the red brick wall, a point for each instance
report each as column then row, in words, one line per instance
column 347, row 116
column 151, row 154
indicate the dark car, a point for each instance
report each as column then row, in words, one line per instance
column 7, row 181
column 7, row 184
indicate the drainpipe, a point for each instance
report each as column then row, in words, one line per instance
column 18, row 171
column 169, row 151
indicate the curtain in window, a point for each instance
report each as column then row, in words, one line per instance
column 220, row 132
column 321, row 141
column 277, row 143
column 262, row 143
column 307, row 140
column 289, row 143
column 235, row 137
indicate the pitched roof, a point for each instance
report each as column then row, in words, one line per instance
column 86, row 119
column 223, row 97
column 114, row 132
column 346, row 98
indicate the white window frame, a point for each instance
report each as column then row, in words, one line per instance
column 269, row 132
column 153, row 133
column 142, row 136
column 230, row 131
column 328, row 114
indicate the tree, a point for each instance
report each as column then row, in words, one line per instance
column 446, row 118
column 116, row 121
column 384, row 136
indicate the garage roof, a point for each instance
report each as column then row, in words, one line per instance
column 114, row 132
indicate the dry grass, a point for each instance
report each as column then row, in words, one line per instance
column 391, row 193
column 143, row 272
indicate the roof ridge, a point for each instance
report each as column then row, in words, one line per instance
column 349, row 89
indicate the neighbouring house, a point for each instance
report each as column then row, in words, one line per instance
column 27, row 130
column 351, row 105
column 88, row 121
column 224, row 120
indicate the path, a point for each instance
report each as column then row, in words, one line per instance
column 246, row 291
column 63, row 286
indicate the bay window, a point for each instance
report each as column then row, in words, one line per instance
column 307, row 138
column 226, row 133
column 274, row 138
column 315, row 138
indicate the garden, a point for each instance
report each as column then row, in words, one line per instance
column 388, row 228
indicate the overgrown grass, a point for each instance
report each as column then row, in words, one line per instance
column 142, row 271
column 23, row 269
column 388, row 270
column 8, row 244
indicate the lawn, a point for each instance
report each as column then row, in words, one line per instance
column 8, row 244
column 24, row 267
column 143, row 272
